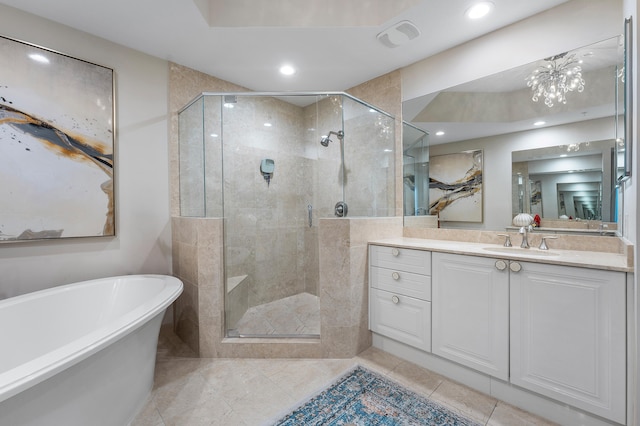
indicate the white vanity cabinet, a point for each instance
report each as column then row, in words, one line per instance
column 547, row 337
column 470, row 315
column 400, row 294
column 568, row 336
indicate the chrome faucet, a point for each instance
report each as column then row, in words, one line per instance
column 525, row 240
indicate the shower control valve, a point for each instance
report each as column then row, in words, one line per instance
column 341, row 209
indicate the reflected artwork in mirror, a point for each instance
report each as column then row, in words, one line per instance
column 499, row 115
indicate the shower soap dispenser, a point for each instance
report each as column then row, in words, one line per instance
column 266, row 168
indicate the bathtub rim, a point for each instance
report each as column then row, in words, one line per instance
column 39, row 369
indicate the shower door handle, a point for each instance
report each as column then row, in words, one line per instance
column 310, row 209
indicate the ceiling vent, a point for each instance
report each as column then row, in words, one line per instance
column 398, row 34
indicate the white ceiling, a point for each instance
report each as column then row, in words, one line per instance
column 509, row 86
column 332, row 43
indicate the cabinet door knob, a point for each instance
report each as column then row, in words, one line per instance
column 395, row 300
column 395, row 252
column 515, row 266
column 396, row 276
column 501, row 265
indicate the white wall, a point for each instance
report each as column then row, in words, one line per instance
column 143, row 240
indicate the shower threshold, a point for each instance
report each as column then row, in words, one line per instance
column 234, row 333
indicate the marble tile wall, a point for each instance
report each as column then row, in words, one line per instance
column 198, row 261
column 344, row 295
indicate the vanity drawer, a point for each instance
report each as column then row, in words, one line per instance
column 401, row 282
column 401, row 259
column 401, row 318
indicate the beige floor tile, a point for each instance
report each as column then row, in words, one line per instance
column 169, row 370
column 378, row 360
column 263, row 404
column 212, row 412
column 303, row 378
column 465, row 400
column 416, row 378
column 181, row 395
column 148, row 416
column 508, row 415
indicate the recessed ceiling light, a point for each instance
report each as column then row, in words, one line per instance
column 439, row 133
column 287, row 70
column 267, row 124
column 39, row 58
column 479, row 10
column 539, row 123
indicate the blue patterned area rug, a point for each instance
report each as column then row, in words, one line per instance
column 364, row 398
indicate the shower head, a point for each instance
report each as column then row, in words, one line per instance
column 326, row 139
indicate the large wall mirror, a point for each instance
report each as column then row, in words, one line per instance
column 551, row 133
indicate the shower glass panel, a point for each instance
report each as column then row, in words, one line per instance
column 415, row 170
column 200, row 154
column 256, row 159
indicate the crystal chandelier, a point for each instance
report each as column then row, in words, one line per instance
column 562, row 74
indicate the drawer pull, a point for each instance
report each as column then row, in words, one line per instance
column 395, row 276
column 515, row 266
column 395, row 252
column 395, row 300
column 501, row 265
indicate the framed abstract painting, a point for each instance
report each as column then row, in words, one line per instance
column 455, row 186
column 56, row 145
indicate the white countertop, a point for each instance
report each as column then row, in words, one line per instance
column 585, row 259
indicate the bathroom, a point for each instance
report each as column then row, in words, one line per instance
column 148, row 194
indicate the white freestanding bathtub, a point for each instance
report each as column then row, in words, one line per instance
column 83, row 353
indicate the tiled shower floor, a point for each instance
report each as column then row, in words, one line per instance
column 293, row 315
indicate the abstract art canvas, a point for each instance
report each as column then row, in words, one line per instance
column 455, row 186
column 56, row 145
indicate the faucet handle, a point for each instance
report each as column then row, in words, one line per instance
column 543, row 243
column 507, row 241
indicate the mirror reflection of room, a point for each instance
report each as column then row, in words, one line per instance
column 559, row 154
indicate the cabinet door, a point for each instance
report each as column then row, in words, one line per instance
column 470, row 312
column 568, row 336
column 402, row 318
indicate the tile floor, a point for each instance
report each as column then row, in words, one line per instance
column 294, row 315
column 191, row 391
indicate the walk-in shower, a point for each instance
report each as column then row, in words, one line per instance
column 256, row 163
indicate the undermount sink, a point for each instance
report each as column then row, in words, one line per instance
column 520, row 251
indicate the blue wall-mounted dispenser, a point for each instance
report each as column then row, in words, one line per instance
column 266, row 168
